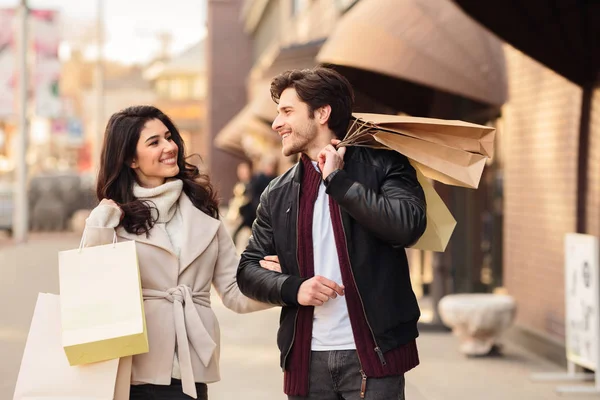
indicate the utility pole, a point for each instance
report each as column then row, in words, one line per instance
column 21, row 201
column 99, row 84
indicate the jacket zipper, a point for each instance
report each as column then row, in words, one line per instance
column 298, row 264
column 363, row 386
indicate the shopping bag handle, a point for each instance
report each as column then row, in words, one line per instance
column 82, row 243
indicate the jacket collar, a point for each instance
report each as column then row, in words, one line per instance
column 298, row 172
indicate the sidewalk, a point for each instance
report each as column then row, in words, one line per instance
column 445, row 374
column 249, row 356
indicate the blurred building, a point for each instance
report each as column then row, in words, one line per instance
column 550, row 135
column 179, row 85
column 228, row 62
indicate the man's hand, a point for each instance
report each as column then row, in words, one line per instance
column 271, row 263
column 317, row 290
column 330, row 159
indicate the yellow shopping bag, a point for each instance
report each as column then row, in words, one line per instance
column 440, row 222
column 102, row 308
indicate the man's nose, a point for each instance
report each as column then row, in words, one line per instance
column 276, row 124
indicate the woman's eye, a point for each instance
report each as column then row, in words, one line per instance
column 170, row 138
column 153, row 143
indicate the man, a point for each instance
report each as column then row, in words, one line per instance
column 339, row 227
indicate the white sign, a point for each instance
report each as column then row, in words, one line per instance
column 582, row 286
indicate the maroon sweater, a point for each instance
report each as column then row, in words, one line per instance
column 397, row 361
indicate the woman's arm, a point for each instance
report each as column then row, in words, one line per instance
column 224, row 278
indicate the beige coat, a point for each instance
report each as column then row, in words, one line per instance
column 177, row 295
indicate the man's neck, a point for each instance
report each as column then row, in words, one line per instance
column 319, row 144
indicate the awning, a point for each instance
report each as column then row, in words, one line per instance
column 281, row 59
column 245, row 134
column 293, row 57
column 425, row 42
column 262, row 105
column 563, row 35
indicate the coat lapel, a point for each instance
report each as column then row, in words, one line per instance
column 199, row 230
column 156, row 237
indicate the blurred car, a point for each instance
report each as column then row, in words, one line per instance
column 6, row 207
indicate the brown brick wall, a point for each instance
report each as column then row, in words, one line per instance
column 541, row 123
column 229, row 59
column 593, row 195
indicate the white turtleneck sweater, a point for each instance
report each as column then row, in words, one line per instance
column 167, row 216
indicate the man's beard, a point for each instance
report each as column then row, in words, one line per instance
column 300, row 140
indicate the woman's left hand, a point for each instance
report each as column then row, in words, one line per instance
column 271, row 263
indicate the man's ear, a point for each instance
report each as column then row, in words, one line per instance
column 322, row 114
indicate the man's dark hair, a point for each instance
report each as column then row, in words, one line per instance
column 318, row 87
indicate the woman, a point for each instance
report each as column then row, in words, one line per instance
column 150, row 194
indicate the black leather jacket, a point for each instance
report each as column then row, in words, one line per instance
column 383, row 211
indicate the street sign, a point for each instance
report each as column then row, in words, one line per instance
column 582, row 315
column 582, row 299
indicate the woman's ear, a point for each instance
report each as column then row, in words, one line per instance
column 133, row 164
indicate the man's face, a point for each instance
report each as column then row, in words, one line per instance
column 294, row 123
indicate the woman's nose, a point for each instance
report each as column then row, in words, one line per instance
column 172, row 146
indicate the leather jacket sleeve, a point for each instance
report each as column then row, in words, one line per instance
column 396, row 213
column 259, row 283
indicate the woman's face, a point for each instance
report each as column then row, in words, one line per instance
column 156, row 155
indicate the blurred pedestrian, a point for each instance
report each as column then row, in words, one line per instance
column 241, row 205
column 339, row 221
column 260, row 180
column 150, row 194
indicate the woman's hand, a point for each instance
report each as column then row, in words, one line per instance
column 112, row 203
column 271, row 263
column 109, row 202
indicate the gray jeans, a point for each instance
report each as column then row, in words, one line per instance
column 335, row 375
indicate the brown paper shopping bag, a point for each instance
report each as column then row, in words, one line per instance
column 440, row 222
column 102, row 310
column 474, row 138
column 444, row 164
column 451, row 152
column 45, row 373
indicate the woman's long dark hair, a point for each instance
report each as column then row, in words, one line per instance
column 116, row 177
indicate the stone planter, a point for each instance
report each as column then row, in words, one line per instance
column 478, row 319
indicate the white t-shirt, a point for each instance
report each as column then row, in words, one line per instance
column 331, row 323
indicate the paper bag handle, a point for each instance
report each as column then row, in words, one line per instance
column 83, row 236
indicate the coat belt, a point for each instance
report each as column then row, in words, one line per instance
column 187, row 320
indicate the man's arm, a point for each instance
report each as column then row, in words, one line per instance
column 259, row 283
column 396, row 214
